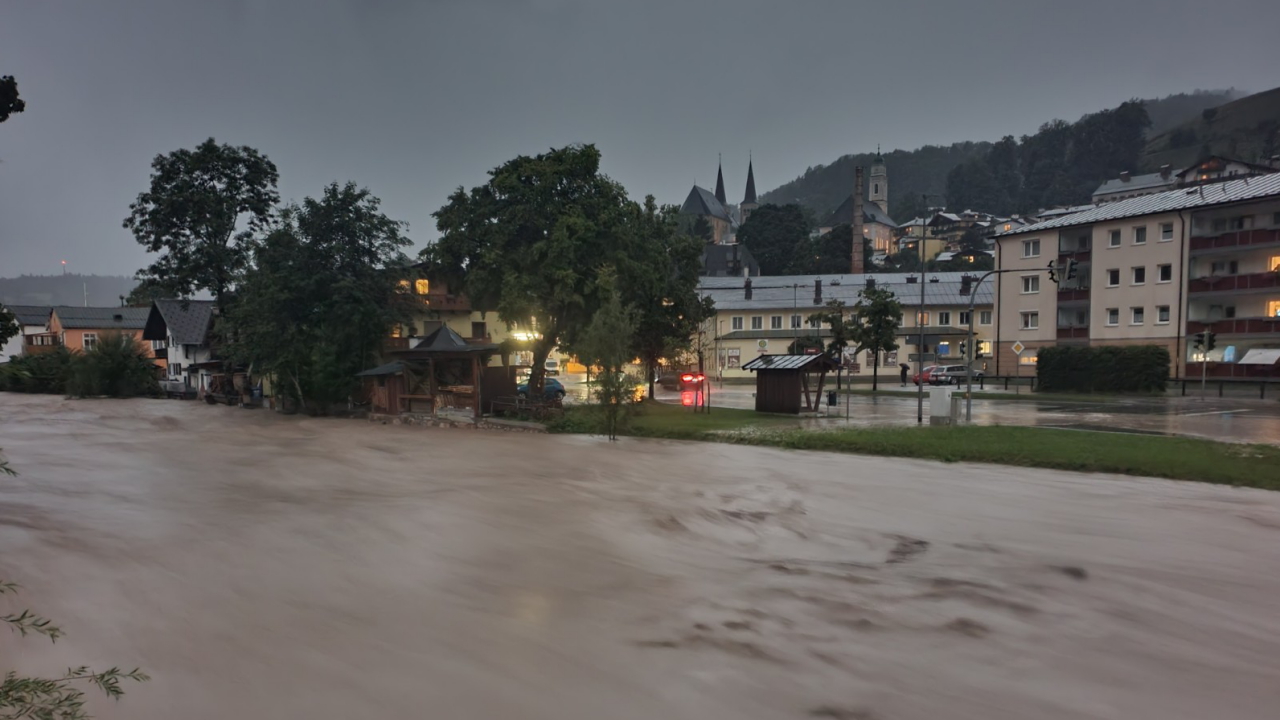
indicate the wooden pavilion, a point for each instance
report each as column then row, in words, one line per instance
column 441, row 374
column 782, row 381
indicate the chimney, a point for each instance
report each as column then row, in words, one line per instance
column 746, row 289
column 911, row 279
column 817, row 291
column 858, row 268
column 1124, row 176
column 871, row 283
column 1166, row 171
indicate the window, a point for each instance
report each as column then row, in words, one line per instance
column 1166, row 231
column 157, row 345
column 736, row 323
column 1136, row 316
column 1219, row 224
column 1223, row 267
column 1030, row 320
column 1114, row 239
column 1244, row 222
column 1113, row 316
column 775, row 322
column 984, row 348
column 984, row 317
column 1113, row 277
column 1030, row 248
column 421, row 286
column 1164, row 273
column 795, row 322
column 815, row 323
column 1027, row 358
column 757, row 322
column 1030, row 284
column 1162, row 314
column 922, row 318
column 90, row 341
column 965, row 317
column 944, row 317
column 1275, row 219
column 1229, row 312
column 1273, row 263
column 1273, row 308
column 478, row 330
column 1140, row 235
column 1139, row 275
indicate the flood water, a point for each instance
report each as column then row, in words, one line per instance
column 260, row 566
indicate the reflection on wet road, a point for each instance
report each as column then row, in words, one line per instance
column 261, row 566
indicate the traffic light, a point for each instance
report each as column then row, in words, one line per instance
column 1210, row 341
column 1073, row 267
column 1198, row 341
column 1053, row 272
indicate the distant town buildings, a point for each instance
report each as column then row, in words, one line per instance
column 877, row 226
column 1212, row 169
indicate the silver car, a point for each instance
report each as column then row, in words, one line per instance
column 952, row 375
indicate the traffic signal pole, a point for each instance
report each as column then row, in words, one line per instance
column 973, row 355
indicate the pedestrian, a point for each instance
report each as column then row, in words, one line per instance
column 905, row 369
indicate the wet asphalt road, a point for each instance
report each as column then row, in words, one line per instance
column 261, row 566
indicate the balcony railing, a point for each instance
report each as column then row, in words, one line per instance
column 1078, row 255
column 1072, row 294
column 392, row 344
column 1225, row 283
column 161, row 353
column 1237, row 326
column 1073, row 332
column 1242, row 239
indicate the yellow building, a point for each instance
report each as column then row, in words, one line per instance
column 774, row 313
column 438, row 306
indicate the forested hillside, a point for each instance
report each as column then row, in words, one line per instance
column 72, row 289
column 1061, row 163
column 1247, row 129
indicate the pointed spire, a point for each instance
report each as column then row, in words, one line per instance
column 879, row 158
column 720, row 183
column 750, row 196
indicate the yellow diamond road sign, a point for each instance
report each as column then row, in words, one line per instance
column 1017, row 348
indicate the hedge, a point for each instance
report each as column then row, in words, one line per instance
column 1105, row 368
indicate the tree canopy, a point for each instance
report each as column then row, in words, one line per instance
column 201, row 213
column 9, row 327
column 878, row 315
column 778, row 238
column 10, row 103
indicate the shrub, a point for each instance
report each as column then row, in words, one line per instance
column 43, row 373
column 117, row 366
column 1105, row 368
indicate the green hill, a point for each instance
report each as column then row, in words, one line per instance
column 70, row 289
column 1247, row 129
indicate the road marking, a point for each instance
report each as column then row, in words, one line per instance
column 1215, row 412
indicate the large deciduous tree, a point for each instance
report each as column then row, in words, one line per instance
column 843, row 331
column 9, row 327
column 877, row 317
column 778, row 238
column 324, row 290
column 530, row 242
column 10, row 103
column 201, row 213
column 606, row 343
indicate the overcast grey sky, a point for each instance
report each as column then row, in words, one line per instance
column 412, row 99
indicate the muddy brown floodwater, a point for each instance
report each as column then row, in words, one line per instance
column 261, row 566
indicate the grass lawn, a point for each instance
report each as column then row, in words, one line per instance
column 1153, row 456
column 897, row 390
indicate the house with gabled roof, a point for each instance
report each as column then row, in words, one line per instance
column 33, row 326
column 178, row 330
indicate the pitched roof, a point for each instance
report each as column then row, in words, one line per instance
column 31, row 314
column 871, row 213
column 701, row 202
column 750, row 195
column 100, row 318
column 187, row 321
column 444, row 340
column 720, row 186
column 1225, row 193
column 390, row 368
column 788, row 362
column 795, row 292
column 1137, row 182
column 728, row 261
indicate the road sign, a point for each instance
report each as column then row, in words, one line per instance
column 1018, row 347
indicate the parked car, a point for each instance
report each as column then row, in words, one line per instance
column 551, row 389
column 552, row 367
column 951, row 375
column 924, row 374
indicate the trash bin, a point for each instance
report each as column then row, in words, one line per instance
column 831, row 398
column 940, row 405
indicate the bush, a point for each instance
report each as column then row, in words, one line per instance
column 117, row 366
column 1105, row 368
column 43, row 373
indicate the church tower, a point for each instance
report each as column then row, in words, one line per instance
column 749, row 197
column 879, row 183
column 724, row 200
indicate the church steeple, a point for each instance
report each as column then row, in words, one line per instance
column 750, row 196
column 879, row 182
column 724, row 200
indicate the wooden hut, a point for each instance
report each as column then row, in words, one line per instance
column 441, row 374
column 783, row 382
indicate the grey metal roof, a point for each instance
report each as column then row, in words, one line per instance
column 787, row 362
column 100, row 318
column 871, row 213
column 1233, row 191
column 31, row 314
column 701, row 202
column 390, row 368
column 443, row 340
column 777, row 292
column 1137, row 182
column 187, row 321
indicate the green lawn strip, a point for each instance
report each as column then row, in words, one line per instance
column 656, row 419
column 1025, row 396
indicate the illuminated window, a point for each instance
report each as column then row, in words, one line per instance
column 922, row 318
column 1027, row 359
column 984, row 348
column 422, row 286
column 396, row 331
column 1273, row 308
column 404, row 285
column 1273, row 263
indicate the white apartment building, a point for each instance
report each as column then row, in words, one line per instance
column 1152, row 270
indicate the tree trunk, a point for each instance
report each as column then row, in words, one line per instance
column 875, row 371
column 650, row 367
column 537, row 374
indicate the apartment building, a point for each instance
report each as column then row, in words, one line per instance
column 775, row 312
column 1153, row 269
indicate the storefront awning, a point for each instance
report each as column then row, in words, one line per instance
column 1261, row 356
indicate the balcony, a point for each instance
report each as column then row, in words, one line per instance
column 1065, row 254
column 1237, row 326
column 1066, row 295
column 160, row 353
column 1229, row 283
column 1073, row 332
column 391, row 344
column 1239, row 240
column 446, row 303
